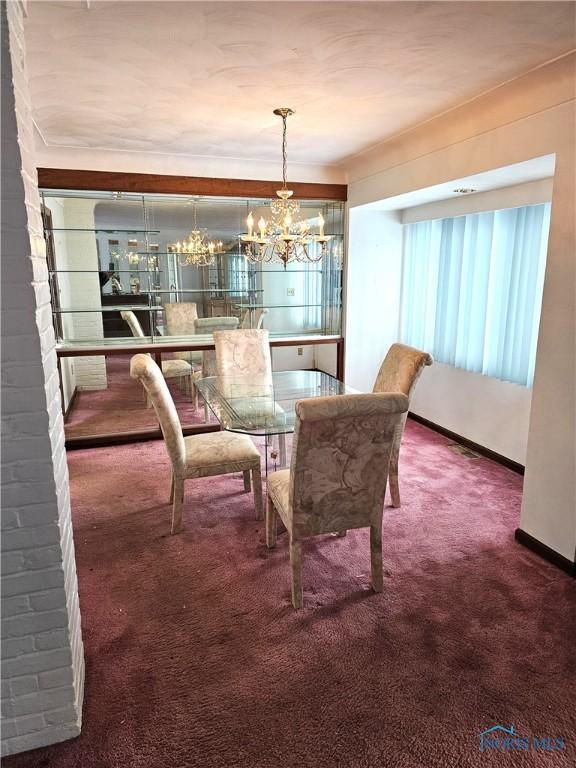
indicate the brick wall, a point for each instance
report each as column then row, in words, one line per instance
column 42, row 654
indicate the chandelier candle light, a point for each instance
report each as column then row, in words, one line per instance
column 196, row 251
column 285, row 235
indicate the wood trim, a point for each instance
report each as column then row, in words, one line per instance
column 112, row 181
column 164, row 348
column 70, row 404
column 481, row 449
column 340, row 360
column 545, row 552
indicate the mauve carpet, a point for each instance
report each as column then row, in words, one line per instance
column 194, row 656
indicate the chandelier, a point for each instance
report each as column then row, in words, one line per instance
column 284, row 235
column 196, row 251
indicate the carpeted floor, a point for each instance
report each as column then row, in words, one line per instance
column 194, row 656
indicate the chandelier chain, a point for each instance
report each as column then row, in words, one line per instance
column 284, row 153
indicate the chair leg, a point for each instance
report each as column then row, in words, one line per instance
column 172, row 488
column 393, row 479
column 271, row 523
column 282, row 448
column 247, row 484
column 178, row 503
column 257, row 486
column 376, row 556
column 296, row 565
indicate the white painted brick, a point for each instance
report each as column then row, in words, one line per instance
column 32, row 581
column 32, row 663
column 30, row 538
column 8, row 729
column 9, row 519
column 21, row 686
column 34, row 622
column 23, row 494
column 55, row 638
column 19, row 646
column 41, row 738
column 55, row 678
column 29, row 724
column 42, row 701
column 42, row 621
column 38, row 514
column 12, row 606
column 47, row 601
column 12, row 562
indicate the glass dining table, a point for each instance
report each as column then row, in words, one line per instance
column 266, row 407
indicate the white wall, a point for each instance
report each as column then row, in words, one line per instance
column 531, row 193
column 488, row 411
column 372, row 304
column 42, row 653
column 530, row 117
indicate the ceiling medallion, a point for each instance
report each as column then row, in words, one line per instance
column 284, row 235
column 196, row 251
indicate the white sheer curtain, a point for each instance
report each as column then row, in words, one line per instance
column 472, row 290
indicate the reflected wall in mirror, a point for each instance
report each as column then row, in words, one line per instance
column 115, row 251
column 117, row 280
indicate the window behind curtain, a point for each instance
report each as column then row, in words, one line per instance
column 472, row 290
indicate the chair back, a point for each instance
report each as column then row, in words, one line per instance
column 209, row 325
column 401, row 369
column 180, row 317
column 258, row 319
column 340, row 456
column 143, row 368
column 243, row 353
column 133, row 323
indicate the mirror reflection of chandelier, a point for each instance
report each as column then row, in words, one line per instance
column 196, row 251
column 284, row 235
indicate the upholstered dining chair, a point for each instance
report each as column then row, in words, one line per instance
column 180, row 317
column 171, row 369
column 253, row 322
column 245, row 355
column 214, row 453
column 399, row 372
column 337, row 476
column 209, row 325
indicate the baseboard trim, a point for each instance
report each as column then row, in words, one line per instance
column 544, row 551
column 70, row 404
column 481, row 449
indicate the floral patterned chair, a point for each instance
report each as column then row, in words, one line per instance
column 337, row 476
column 204, row 325
column 180, row 317
column 244, row 356
column 214, row 453
column 171, row 369
column 399, row 372
column 258, row 319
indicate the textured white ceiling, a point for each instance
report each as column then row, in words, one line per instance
column 202, row 78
